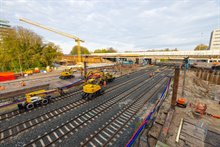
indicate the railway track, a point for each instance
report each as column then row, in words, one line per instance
column 30, row 123
column 83, row 119
column 117, row 124
column 12, row 114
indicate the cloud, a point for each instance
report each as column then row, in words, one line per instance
column 131, row 25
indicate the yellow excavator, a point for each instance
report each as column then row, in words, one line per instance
column 95, row 82
column 106, row 76
column 67, row 73
column 93, row 88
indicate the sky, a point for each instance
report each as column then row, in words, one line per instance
column 128, row 25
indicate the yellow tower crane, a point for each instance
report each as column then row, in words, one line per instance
column 77, row 39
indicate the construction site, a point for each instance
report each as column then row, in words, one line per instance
column 166, row 98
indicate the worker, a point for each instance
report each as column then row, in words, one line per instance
column 104, row 83
column 23, row 83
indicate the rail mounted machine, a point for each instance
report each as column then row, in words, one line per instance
column 95, row 83
column 33, row 99
column 67, row 73
column 43, row 97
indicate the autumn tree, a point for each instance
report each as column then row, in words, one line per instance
column 22, row 49
column 49, row 53
column 201, row 47
column 83, row 50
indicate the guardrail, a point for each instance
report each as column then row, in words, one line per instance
column 148, row 118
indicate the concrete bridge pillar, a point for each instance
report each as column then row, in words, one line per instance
column 209, row 75
column 197, row 72
column 200, row 73
column 218, row 81
column 214, row 80
column 211, row 78
column 205, row 75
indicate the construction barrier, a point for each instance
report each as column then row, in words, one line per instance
column 148, row 118
column 6, row 76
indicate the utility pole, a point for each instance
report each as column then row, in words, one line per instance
column 175, row 87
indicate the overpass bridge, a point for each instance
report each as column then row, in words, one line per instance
column 203, row 56
column 138, row 57
column 207, row 54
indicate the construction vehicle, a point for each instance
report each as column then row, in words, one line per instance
column 77, row 39
column 93, row 88
column 105, row 76
column 67, row 73
column 43, row 97
column 109, row 77
column 95, row 83
column 28, row 72
column 181, row 102
column 33, row 99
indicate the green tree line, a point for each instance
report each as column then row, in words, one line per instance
column 83, row 50
column 108, row 50
column 22, row 49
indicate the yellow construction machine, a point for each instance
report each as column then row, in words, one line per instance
column 33, row 99
column 106, row 76
column 67, row 73
column 93, row 88
column 109, row 76
column 95, row 82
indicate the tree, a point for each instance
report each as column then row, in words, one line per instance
column 108, row 50
column 22, row 49
column 200, row 47
column 49, row 53
column 74, row 50
column 111, row 50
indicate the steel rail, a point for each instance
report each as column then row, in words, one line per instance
column 8, row 115
column 120, row 119
column 22, row 126
column 78, row 122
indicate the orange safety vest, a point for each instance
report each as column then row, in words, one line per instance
column 104, row 83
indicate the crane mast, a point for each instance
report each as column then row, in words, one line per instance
column 77, row 39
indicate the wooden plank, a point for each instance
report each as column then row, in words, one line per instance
column 198, row 129
column 194, row 128
column 193, row 136
column 164, row 131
